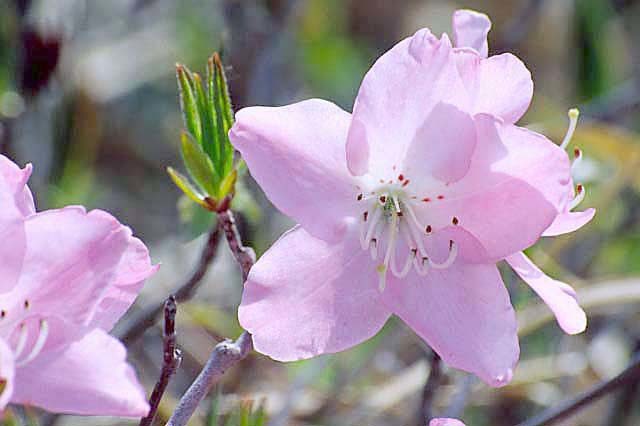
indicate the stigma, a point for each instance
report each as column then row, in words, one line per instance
column 394, row 236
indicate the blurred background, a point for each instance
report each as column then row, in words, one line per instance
column 88, row 95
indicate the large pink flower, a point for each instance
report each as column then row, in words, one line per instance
column 406, row 205
column 66, row 276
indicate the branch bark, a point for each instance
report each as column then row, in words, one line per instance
column 630, row 375
column 171, row 359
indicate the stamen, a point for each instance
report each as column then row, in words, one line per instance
column 573, row 122
column 580, row 194
column 453, row 254
column 455, row 220
column 373, row 220
column 22, row 341
column 577, row 158
column 38, row 346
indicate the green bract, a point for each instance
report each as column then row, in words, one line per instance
column 206, row 151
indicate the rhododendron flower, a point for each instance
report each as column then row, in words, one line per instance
column 405, row 206
column 66, row 276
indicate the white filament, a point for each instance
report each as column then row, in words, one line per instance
column 573, row 122
column 578, row 198
column 38, row 346
column 22, row 341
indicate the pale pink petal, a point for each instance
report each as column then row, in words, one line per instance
column 296, row 153
column 569, row 222
column 7, row 372
column 89, row 377
column 445, row 422
column 70, row 264
column 395, row 98
column 464, row 313
column 500, row 85
column 560, row 297
column 130, row 275
column 15, row 196
column 515, row 187
column 470, row 29
column 441, row 148
column 305, row 297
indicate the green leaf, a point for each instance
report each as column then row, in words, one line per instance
column 209, row 134
column 188, row 102
column 199, row 165
column 183, row 183
column 224, row 112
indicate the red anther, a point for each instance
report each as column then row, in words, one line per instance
column 428, row 229
column 579, row 188
column 455, row 220
column 406, row 182
column 440, row 197
column 426, row 200
column 365, row 215
column 576, row 152
column 359, row 197
column 400, row 177
column 383, row 199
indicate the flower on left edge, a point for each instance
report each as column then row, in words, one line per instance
column 66, row 277
column 406, row 205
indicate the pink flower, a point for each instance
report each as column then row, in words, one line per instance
column 445, row 422
column 66, row 277
column 406, row 205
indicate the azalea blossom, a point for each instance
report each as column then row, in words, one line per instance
column 66, row 277
column 405, row 206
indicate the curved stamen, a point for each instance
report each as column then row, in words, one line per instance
column 373, row 218
column 22, row 341
column 453, row 254
column 573, row 122
column 38, row 346
column 389, row 256
column 580, row 193
column 577, row 159
column 413, row 252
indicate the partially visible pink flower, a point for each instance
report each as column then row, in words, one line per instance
column 445, row 422
column 405, row 206
column 66, row 277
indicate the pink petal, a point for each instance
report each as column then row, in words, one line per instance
column 464, row 313
column 560, row 297
column 569, row 222
column 7, row 373
column 442, row 146
column 445, row 422
column 306, row 297
column 512, row 171
column 15, row 196
column 79, row 269
column 296, row 153
column 395, row 98
column 89, row 377
column 500, row 85
column 470, row 29
column 130, row 275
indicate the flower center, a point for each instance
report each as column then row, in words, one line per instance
column 395, row 237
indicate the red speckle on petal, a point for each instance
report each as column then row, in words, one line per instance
column 401, row 177
column 426, row 200
column 440, row 197
column 405, row 183
column 365, row 216
column 455, row 220
column 383, row 199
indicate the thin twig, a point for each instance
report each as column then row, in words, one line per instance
column 425, row 413
column 139, row 325
column 170, row 362
column 630, row 375
column 245, row 256
column 225, row 355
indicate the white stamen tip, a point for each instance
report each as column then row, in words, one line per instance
column 38, row 346
column 573, row 122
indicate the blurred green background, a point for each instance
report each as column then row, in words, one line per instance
column 88, row 95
